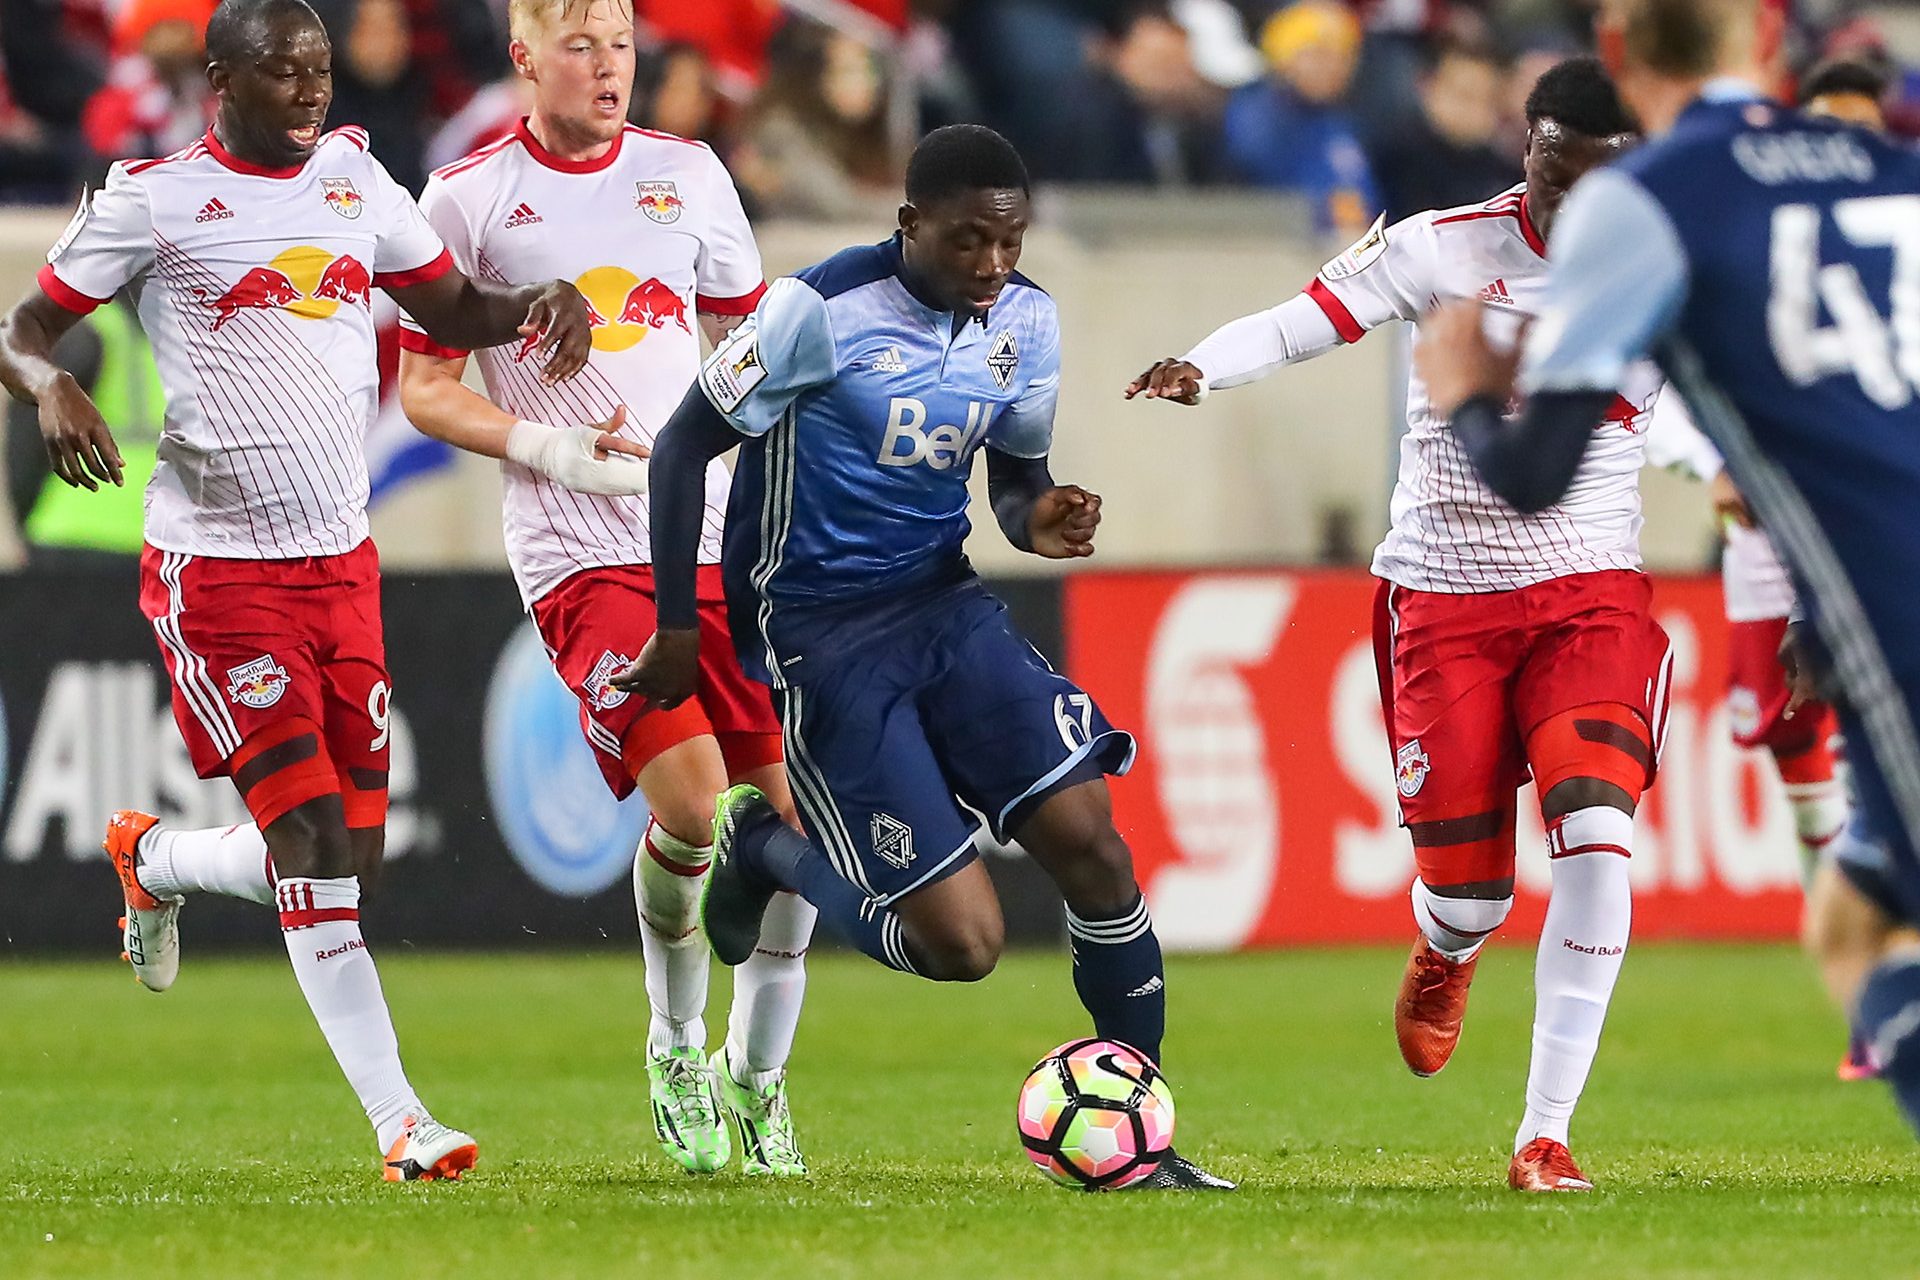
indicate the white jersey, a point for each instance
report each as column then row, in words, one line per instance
column 254, row 287
column 1753, row 579
column 652, row 233
column 1450, row 532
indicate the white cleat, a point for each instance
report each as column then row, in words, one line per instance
column 428, row 1151
column 150, row 927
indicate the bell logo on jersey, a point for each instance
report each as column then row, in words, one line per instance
column 658, row 200
column 908, row 442
column 306, row 281
column 1411, row 767
column 623, row 309
column 257, row 684
column 341, row 197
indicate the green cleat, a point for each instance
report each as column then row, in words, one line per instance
column 763, row 1121
column 686, row 1111
column 735, row 898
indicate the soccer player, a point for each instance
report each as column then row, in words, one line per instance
column 253, row 253
column 1771, row 261
column 1507, row 643
column 650, row 227
column 860, row 393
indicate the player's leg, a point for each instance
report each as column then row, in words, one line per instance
column 1801, row 744
column 1444, row 664
column 1593, row 695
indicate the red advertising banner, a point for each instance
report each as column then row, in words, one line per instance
column 1262, row 809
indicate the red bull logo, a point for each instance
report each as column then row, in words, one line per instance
column 257, row 684
column 1623, row 412
column 654, row 305
column 341, row 197
column 1410, row 768
column 306, row 281
column 658, row 200
column 594, row 319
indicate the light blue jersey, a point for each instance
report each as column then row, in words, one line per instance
column 863, row 408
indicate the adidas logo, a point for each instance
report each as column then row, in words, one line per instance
column 522, row 215
column 888, row 361
column 1148, row 987
column 213, row 211
column 1497, row 293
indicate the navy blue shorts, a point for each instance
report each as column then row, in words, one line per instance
column 897, row 751
column 1879, row 852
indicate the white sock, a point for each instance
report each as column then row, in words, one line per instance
column 1582, row 945
column 1457, row 927
column 231, row 861
column 767, row 993
column 667, row 876
column 320, row 921
column 1820, row 812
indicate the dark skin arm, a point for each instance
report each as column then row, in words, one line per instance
column 79, row 353
column 457, row 311
column 80, row 449
column 1054, row 521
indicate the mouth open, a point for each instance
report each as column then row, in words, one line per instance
column 305, row 136
column 607, row 102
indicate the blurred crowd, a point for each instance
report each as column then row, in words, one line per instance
column 1358, row 106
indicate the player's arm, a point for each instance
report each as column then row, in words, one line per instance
column 728, row 278
column 1379, row 279
column 586, row 459
column 458, row 311
column 1056, row 521
column 1618, row 278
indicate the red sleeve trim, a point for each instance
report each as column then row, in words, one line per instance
column 421, row 345
column 419, row 275
column 740, row 306
column 1344, row 324
column 65, row 294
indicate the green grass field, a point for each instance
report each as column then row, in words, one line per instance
column 206, row 1132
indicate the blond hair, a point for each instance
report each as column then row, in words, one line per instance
column 1686, row 38
column 527, row 18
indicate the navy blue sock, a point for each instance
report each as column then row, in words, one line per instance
column 776, row 851
column 1120, row 978
column 1889, row 1021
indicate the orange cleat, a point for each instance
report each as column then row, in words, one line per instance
column 1431, row 1006
column 428, row 1151
column 150, row 928
column 1546, row 1165
column 1858, row 1064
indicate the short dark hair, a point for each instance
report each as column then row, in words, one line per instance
column 237, row 28
column 1579, row 94
column 1869, row 79
column 960, row 158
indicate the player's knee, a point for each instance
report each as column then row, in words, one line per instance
column 311, row 840
column 965, row 952
column 1586, row 793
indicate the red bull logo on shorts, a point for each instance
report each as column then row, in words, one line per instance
column 257, row 684
column 599, row 682
column 1411, row 767
column 658, row 200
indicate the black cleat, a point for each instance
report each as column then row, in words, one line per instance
column 735, row 899
column 1177, row 1173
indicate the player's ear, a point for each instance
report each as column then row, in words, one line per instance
column 521, row 57
column 909, row 220
column 218, row 77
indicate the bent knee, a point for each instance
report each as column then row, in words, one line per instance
column 966, row 956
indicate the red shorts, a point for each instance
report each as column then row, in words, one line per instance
column 1465, row 679
column 1757, row 693
column 594, row 625
column 252, row 644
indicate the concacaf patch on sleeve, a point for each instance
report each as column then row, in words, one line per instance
column 1365, row 252
column 734, row 369
column 74, row 225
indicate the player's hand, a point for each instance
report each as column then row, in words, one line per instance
column 556, row 326
column 1729, row 505
column 1170, row 379
column 666, row 671
column 79, row 446
column 588, row 459
column 1062, row 523
column 1798, row 666
column 1457, row 363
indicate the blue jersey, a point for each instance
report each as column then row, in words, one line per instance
column 863, row 408
column 1771, row 262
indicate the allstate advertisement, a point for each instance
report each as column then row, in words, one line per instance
column 502, row 833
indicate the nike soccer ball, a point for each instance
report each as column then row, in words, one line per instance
column 1096, row 1114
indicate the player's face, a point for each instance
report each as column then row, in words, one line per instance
column 581, row 66
column 1557, row 158
column 963, row 249
column 273, row 102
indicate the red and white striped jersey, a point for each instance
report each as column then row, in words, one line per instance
column 1450, row 532
column 651, row 233
column 254, row 287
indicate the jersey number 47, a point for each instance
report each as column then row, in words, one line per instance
column 1883, row 353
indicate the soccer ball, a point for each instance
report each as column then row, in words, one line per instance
column 1096, row 1114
